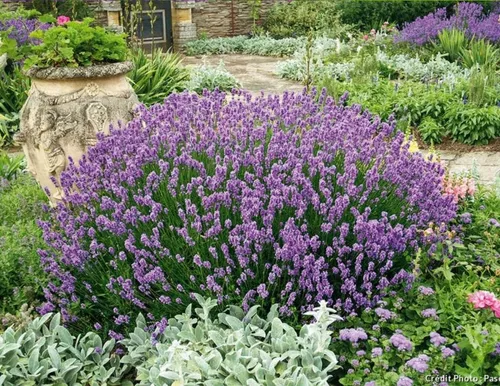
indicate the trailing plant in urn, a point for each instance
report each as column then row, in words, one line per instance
column 271, row 200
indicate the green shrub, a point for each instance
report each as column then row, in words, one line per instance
column 452, row 43
column 10, row 166
column 480, row 52
column 259, row 45
column 299, row 17
column 236, row 349
column 14, row 88
column 157, row 76
column 420, row 102
column 76, row 9
column 431, row 131
column 21, row 276
column 481, row 89
column 372, row 14
column 77, row 44
column 471, row 124
column 206, row 77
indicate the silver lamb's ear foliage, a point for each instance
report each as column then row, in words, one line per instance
column 233, row 350
column 236, row 349
column 44, row 352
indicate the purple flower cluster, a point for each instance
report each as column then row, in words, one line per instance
column 436, row 339
column 447, row 352
column 290, row 199
column 430, row 313
column 20, row 29
column 353, row 335
column 404, row 381
column 427, row 291
column 420, row 363
column 401, row 342
column 467, row 17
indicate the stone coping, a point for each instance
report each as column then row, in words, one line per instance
column 98, row 71
column 183, row 4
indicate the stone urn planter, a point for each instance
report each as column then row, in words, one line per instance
column 65, row 110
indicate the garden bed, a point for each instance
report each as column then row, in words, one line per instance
column 232, row 238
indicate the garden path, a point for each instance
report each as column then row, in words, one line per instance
column 485, row 163
column 255, row 73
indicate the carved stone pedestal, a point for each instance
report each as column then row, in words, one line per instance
column 65, row 110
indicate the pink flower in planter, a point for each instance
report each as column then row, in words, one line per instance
column 61, row 20
column 483, row 299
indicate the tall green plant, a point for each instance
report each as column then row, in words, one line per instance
column 451, row 42
column 156, row 76
column 480, row 88
column 480, row 52
column 10, row 166
column 255, row 9
column 14, row 88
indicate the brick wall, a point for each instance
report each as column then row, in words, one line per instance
column 226, row 17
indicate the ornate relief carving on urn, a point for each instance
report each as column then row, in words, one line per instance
column 65, row 110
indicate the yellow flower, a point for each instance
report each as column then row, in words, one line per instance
column 413, row 147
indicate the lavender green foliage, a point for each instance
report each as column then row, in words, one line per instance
column 287, row 200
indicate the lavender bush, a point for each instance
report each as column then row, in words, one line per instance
column 467, row 17
column 287, row 200
column 19, row 29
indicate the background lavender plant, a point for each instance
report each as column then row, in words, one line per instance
column 20, row 29
column 467, row 17
column 259, row 201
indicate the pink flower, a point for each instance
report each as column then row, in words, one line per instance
column 483, row 299
column 365, row 37
column 496, row 308
column 61, row 20
column 373, row 32
column 460, row 188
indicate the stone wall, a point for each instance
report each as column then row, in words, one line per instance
column 217, row 18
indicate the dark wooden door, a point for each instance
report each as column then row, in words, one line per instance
column 153, row 26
